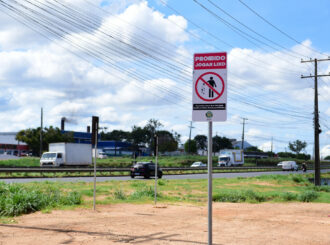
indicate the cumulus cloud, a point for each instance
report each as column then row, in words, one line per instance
column 121, row 81
column 43, row 74
column 325, row 151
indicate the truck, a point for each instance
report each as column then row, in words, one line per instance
column 67, row 154
column 230, row 157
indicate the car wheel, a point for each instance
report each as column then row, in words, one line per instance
column 147, row 176
column 132, row 176
column 160, row 176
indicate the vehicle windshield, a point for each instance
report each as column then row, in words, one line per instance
column 224, row 159
column 48, row 156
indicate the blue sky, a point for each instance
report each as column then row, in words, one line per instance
column 132, row 61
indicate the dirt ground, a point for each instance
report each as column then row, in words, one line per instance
column 293, row 223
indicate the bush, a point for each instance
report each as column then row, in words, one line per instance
column 308, row 196
column 239, row 196
column 16, row 199
column 161, row 182
column 298, row 178
column 289, row 196
column 229, row 197
column 324, row 188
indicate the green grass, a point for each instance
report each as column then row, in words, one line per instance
column 16, row 199
column 22, row 162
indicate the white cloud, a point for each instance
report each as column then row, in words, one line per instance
column 325, row 151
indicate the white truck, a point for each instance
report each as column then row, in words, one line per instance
column 229, row 157
column 67, row 154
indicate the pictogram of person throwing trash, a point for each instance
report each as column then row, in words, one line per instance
column 213, row 84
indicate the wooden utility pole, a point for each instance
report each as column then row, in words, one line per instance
column 317, row 130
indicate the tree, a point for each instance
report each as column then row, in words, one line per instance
column 166, row 141
column 193, row 146
column 117, row 135
column 201, row 141
column 253, row 148
column 151, row 128
column 297, row 146
column 31, row 137
column 139, row 135
column 220, row 143
column 327, row 158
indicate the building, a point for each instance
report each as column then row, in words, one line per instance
column 10, row 146
column 110, row 147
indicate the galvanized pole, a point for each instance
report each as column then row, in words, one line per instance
column 95, row 155
column 209, row 163
column 156, row 169
column 41, row 127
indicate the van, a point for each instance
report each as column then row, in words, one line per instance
column 288, row 165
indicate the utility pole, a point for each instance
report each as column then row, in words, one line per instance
column 317, row 130
column 191, row 127
column 244, row 119
column 41, row 129
column 271, row 147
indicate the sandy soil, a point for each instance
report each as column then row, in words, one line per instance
column 293, row 223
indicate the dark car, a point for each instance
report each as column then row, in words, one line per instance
column 145, row 169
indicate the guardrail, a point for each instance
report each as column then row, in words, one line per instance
column 42, row 170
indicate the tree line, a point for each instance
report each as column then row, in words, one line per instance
column 138, row 137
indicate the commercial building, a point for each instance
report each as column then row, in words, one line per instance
column 10, row 146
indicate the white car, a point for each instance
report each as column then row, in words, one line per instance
column 198, row 165
column 102, row 155
column 289, row 165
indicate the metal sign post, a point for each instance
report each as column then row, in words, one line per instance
column 95, row 129
column 156, row 169
column 209, row 189
column 209, row 104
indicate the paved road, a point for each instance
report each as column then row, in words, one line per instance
column 185, row 176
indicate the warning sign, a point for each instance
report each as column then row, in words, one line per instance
column 209, row 87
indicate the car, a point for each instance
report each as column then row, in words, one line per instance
column 198, row 165
column 146, row 169
column 102, row 155
column 289, row 165
column 280, row 164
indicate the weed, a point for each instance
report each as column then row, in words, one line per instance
column 119, row 194
column 289, row 196
column 324, row 188
column 147, row 191
column 16, row 199
column 298, row 178
column 161, row 182
column 234, row 196
column 308, row 196
column 240, row 196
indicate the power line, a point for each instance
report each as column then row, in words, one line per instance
column 278, row 29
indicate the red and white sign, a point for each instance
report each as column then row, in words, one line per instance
column 210, row 87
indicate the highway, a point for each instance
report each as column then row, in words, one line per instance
column 183, row 176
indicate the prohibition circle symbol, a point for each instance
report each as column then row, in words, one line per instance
column 201, row 79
